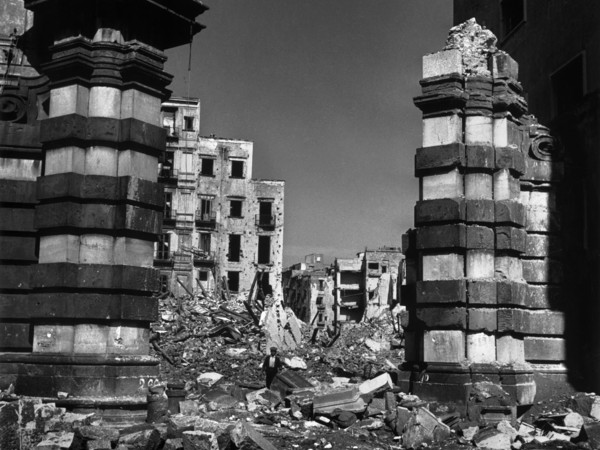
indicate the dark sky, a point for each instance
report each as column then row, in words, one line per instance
column 324, row 89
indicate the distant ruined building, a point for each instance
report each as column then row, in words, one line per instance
column 220, row 225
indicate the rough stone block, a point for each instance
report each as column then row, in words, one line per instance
column 441, row 236
column 15, row 276
column 18, row 248
column 442, row 63
column 443, row 317
column 542, row 271
column 481, row 347
column 544, row 171
column 344, row 399
column 508, row 268
column 199, row 440
column 96, row 249
column 481, row 292
column 18, row 191
column 543, row 245
column 105, row 101
column 478, row 185
column 90, row 338
column 506, row 186
column 383, row 381
column 510, row 158
column 542, row 220
column 245, row 436
column 127, row 339
column 544, row 296
column 440, row 210
column 479, row 237
column 512, row 293
column 511, row 239
column 480, row 211
column 442, row 130
column 545, row 349
column 72, row 99
column 442, row 266
column 439, row 157
column 479, row 130
column 444, row 185
column 140, row 105
column 133, row 252
column 503, row 66
column 136, row 164
column 510, row 212
column 480, row 264
column 550, row 323
column 53, row 338
column 444, row 346
column 16, row 219
column 65, row 159
column 510, row 350
column 101, row 160
column 511, row 320
column 501, row 132
column 482, row 319
column 15, row 336
column 441, row 291
column 479, row 156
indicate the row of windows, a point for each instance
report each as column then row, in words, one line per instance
column 233, row 281
column 207, row 168
column 236, row 206
column 235, row 254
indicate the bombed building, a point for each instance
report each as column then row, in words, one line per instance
column 350, row 290
column 220, row 226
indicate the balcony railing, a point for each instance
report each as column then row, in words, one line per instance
column 202, row 257
column 265, row 220
column 206, row 219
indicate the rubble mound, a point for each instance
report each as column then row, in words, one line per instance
column 475, row 43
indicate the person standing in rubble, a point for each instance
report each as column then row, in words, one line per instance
column 271, row 366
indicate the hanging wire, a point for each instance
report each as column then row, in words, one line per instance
column 190, row 60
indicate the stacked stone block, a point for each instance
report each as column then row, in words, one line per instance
column 98, row 200
column 471, row 310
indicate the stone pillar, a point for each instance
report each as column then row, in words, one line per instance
column 470, row 233
column 100, row 205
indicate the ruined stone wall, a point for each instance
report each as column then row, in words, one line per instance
column 484, row 195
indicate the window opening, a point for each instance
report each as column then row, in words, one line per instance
column 513, row 13
column 188, row 123
column 207, row 167
column 234, row 247
column 233, row 281
column 203, row 275
column 162, row 247
column 235, row 208
column 237, row 168
column 568, row 85
column 168, row 208
column 264, row 249
column 205, row 242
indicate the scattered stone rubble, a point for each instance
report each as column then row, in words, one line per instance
column 212, row 395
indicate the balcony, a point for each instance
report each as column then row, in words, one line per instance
column 182, row 260
column 266, row 221
column 167, row 175
column 163, row 258
column 173, row 132
column 206, row 219
column 203, row 258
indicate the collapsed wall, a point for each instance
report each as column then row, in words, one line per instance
column 485, row 273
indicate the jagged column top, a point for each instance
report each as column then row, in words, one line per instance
column 475, row 43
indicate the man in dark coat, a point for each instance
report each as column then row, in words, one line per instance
column 271, row 365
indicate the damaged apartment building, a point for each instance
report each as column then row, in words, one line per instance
column 347, row 291
column 220, row 225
